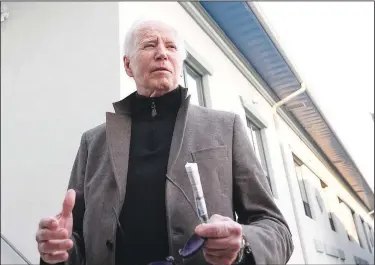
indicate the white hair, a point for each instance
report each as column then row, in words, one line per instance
column 130, row 37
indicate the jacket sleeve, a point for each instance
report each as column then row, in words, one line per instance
column 76, row 182
column 263, row 224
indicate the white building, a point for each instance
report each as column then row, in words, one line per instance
column 61, row 70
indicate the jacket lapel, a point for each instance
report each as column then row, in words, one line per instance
column 118, row 130
column 176, row 145
column 179, row 130
column 118, row 139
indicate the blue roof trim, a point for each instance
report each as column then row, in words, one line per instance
column 242, row 26
column 247, row 34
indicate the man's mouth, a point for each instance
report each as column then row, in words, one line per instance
column 161, row 69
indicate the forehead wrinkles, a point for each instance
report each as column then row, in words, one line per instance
column 145, row 34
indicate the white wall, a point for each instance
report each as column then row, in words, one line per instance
column 9, row 256
column 59, row 74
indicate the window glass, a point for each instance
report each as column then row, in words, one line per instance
column 193, row 81
column 256, row 141
column 302, row 188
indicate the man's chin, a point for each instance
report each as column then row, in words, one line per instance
column 161, row 88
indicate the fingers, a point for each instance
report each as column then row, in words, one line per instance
column 232, row 243
column 222, row 250
column 49, row 223
column 216, row 218
column 52, row 246
column 53, row 239
column 219, row 260
column 224, row 238
column 218, row 252
column 47, row 234
column 68, row 203
column 219, row 229
column 55, row 257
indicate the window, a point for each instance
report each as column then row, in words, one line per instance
column 347, row 223
column 319, row 200
column 366, row 234
column 350, row 238
column 306, row 205
column 196, row 76
column 350, row 223
column 331, row 222
column 256, row 141
column 256, row 130
column 324, row 186
column 360, row 240
column 194, row 82
column 360, row 261
column 371, row 232
column 357, row 229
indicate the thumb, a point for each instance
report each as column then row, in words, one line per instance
column 68, row 203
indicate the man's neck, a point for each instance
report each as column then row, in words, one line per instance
column 153, row 93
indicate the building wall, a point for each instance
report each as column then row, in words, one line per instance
column 59, row 74
column 95, row 32
column 318, row 228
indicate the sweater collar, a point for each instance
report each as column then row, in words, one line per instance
column 123, row 107
column 152, row 107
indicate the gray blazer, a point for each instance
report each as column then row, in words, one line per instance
column 231, row 176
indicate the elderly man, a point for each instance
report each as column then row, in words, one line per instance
column 129, row 194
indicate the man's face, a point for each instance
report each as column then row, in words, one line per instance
column 155, row 64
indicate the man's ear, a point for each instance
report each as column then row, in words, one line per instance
column 127, row 66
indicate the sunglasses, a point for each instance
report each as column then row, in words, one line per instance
column 192, row 246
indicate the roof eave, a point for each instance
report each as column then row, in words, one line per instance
column 263, row 21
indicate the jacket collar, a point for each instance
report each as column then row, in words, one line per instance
column 124, row 106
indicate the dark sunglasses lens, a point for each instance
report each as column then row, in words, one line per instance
column 193, row 245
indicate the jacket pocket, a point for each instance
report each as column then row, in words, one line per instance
column 213, row 153
column 214, row 168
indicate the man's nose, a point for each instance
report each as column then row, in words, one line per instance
column 161, row 53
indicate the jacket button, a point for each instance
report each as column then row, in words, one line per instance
column 109, row 245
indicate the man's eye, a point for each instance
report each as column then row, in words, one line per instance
column 172, row 47
column 149, row 45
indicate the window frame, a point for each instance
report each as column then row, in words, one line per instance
column 361, row 244
column 189, row 70
column 355, row 237
column 201, row 68
column 301, row 182
column 253, row 116
column 331, row 220
column 371, row 235
column 343, row 203
column 366, row 234
column 259, row 149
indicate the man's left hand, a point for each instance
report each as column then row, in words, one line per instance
column 224, row 238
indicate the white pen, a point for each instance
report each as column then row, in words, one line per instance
column 200, row 202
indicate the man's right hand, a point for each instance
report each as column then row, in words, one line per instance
column 54, row 233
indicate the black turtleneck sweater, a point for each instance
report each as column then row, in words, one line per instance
column 143, row 215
